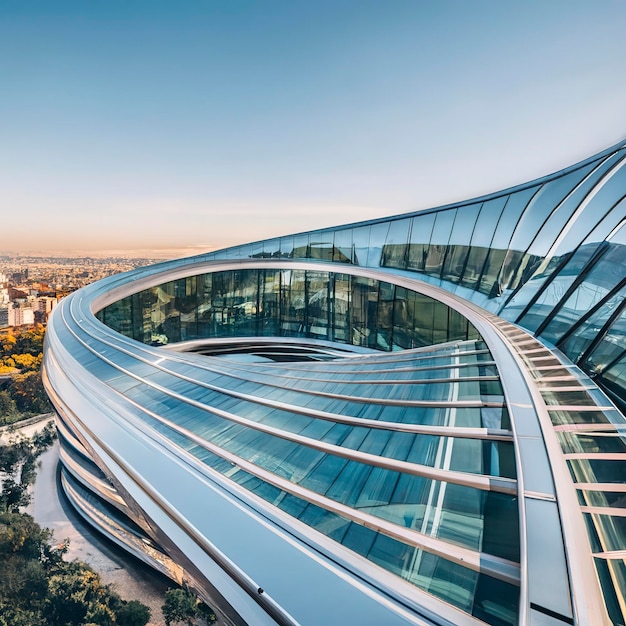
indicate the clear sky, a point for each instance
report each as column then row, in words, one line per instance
column 190, row 125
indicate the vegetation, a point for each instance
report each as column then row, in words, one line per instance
column 183, row 606
column 37, row 586
column 17, row 468
column 23, row 395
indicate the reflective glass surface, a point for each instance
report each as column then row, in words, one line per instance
column 286, row 303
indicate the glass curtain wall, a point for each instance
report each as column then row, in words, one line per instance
column 287, row 303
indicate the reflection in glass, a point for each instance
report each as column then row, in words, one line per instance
column 289, row 303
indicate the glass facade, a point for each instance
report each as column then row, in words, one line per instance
column 287, row 303
column 370, row 393
column 516, row 253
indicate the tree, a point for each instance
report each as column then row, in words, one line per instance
column 206, row 612
column 13, row 496
column 7, row 344
column 76, row 596
column 180, row 606
column 27, row 362
column 8, row 409
column 28, row 393
column 132, row 613
column 30, row 341
column 37, row 586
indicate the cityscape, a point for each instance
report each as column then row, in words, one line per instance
column 30, row 287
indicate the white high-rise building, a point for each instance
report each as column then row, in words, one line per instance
column 20, row 315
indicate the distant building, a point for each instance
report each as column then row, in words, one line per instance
column 17, row 294
column 45, row 304
column 4, row 316
column 21, row 315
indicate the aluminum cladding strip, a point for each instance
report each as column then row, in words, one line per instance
column 588, row 608
column 478, row 561
column 456, row 617
column 470, row 433
column 478, row 481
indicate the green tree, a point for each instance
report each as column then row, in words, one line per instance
column 180, row 606
column 206, row 613
column 28, row 393
column 42, row 440
column 132, row 613
column 13, row 496
column 8, row 408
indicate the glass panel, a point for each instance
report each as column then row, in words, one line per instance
column 598, row 282
column 318, row 304
column 614, row 380
column 384, row 317
column 363, row 311
column 560, row 218
column 542, row 205
column 515, row 205
column 572, row 443
column 421, row 233
column 611, row 347
column 576, row 344
column 293, row 303
column 269, row 303
column 601, row 214
column 438, row 244
column 378, row 235
column 361, row 242
column 598, row 470
column 286, row 247
column 612, row 576
column 489, row 283
column 321, row 245
column 482, row 235
column 301, row 246
column 341, row 309
column 491, row 280
column 343, row 250
column 552, row 295
column 458, row 245
column 396, row 249
column 271, row 248
column 608, row 532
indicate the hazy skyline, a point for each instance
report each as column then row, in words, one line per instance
column 188, row 126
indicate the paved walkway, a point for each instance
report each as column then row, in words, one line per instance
column 26, row 428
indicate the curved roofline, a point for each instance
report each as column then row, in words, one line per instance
column 490, row 196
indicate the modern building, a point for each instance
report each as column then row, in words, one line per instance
column 20, row 314
column 45, row 304
column 412, row 420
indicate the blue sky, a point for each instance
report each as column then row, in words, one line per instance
column 184, row 126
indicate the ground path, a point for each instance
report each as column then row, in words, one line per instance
column 130, row 578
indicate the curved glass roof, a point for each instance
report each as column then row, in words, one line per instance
column 354, row 392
